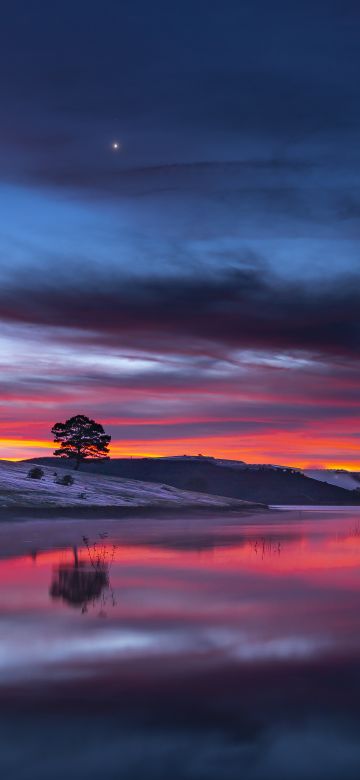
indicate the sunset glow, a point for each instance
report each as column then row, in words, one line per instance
column 298, row 449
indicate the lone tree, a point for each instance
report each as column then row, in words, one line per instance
column 81, row 438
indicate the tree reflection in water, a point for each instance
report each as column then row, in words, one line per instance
column 266, row 547
column 85, row 582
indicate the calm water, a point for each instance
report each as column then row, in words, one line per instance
column 192, row 648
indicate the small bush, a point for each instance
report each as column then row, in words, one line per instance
column 36, row 472
column 67, row 480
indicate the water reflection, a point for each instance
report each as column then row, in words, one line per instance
column 229, row 650
column 83, row 582
column 265, row 547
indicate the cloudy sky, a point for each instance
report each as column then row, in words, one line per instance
column 196, row 289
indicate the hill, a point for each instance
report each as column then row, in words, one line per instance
column 265, row 484
column 92, row 489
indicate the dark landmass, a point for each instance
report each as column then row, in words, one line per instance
column 264, row 484
column 109, row 494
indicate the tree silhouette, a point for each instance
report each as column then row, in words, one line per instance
column 81, row 438
column 79, row 584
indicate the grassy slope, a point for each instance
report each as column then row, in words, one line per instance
column 90, row 490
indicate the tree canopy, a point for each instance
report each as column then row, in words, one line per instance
column 81, row 438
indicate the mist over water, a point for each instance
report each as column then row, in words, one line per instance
column 189, row 647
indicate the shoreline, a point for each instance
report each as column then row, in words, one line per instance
column 30, row 513
column 68, row 512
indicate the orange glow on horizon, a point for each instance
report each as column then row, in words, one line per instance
column 261, row 449
column 311, row 446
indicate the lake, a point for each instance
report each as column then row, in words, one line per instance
column 217, row 646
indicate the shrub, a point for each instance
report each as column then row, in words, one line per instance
column 36, row 472
column 67, row 480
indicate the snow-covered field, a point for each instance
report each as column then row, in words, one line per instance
column 88, row 490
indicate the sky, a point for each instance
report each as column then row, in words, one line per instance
column 195, row 289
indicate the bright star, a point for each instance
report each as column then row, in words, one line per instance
column 115, row 146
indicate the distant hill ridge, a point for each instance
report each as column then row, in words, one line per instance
column 267, row 484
